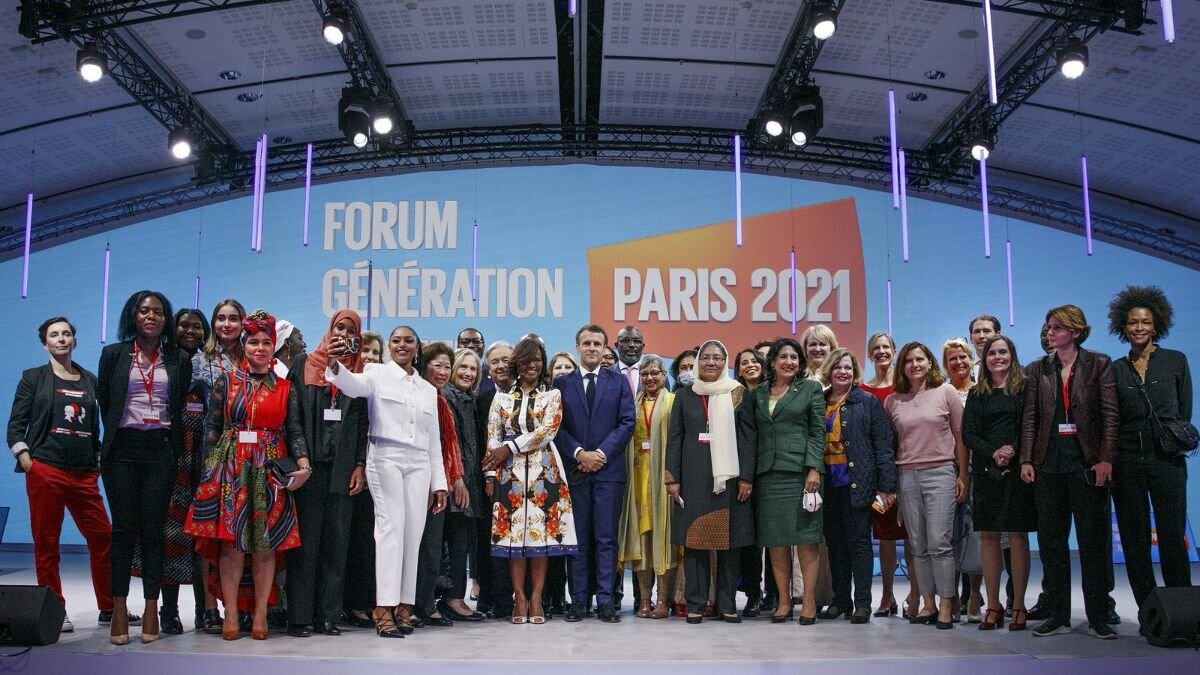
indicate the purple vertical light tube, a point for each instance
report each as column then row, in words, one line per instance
column 474, row 260
column 370, row 273
column 987, row 226
column 104, row 298
column 28, row 235
column 737, row 184
column 1087, row 205
column 307, row 189
column 792, row 262
column 991, row 46
column 903, row 174
column 889, row 307
column 1008, row 267
column 894, row 148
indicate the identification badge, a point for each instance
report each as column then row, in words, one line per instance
column 645, row 446
column 247, row 437
column 195, row 407
column 149, row 420
column 1067, row 429
column 333, row 415
column 704, row 437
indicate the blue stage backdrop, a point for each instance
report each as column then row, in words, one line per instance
column 561, row 246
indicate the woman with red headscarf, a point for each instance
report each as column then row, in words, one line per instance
column 335, row 427
column 242, row 505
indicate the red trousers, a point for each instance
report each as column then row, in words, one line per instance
column 50, row 490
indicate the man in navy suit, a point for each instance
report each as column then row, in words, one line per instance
column 597, row 424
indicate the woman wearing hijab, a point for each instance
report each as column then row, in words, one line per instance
column 404, row 470
column 335, row 428
column 242, row 506
column 709, row 474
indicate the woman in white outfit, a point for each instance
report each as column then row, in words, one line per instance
column 404, row 470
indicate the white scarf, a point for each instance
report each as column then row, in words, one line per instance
column 722, row 423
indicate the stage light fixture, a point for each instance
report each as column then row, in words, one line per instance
column 773, row 127
column 1073, row 59
column 824, row 22
column 382, row 119
column 180, row 142
column 353, row 118
column 91, row 64
column 808, row 115
column 333, row 28
column 981, row 147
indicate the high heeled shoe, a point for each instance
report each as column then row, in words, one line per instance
column 118, row 620
column 405, row 621
column 1017, row 622
column 385, row 624
column 228, row 633
column 890, row 610
column 644, row 610
column 990, row 624
column 784, row 618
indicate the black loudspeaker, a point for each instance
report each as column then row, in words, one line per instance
column 30, row 615
column 1171, row 617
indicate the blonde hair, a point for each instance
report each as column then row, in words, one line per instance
column 460, row 356
column 956, row 343
column 563, row 355
column 821, row 332
column 834, row 357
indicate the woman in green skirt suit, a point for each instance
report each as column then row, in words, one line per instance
column 789, row 414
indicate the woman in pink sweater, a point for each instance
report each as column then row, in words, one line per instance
column 926, row 414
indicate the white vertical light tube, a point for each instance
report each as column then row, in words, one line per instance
column 792, row 263
column 28, row 235
column 987, row 226
column 1008, row 267
column 1168, row 21
column 104, row 298
column 307, row 189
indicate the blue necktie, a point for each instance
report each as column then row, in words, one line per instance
column 589, row 389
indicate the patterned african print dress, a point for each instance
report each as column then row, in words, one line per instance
column 238, row 503
column 531, row 511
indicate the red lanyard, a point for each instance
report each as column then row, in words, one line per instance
column 333, row 392
column 147, row 383
column 648, row 417
column 1066, row 394
column 707, row 420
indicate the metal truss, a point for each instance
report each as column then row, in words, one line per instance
column 367, row 71
column 829, row 160
column 1023, row 72
column 795, row 66
column 47, row 20
column 1131, row 13
column 131, row 66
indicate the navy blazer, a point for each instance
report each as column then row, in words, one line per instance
column 32, row 414
column 607, row 427
column 113, row 385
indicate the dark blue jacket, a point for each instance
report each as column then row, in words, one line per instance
column 867, row 439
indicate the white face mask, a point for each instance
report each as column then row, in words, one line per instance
column 686, row 379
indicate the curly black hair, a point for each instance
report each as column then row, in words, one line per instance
column 1147, row 297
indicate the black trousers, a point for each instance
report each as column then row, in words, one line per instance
column 698, row 568
column 750, row 571
column 1061, row 497
column 316, row 573
column 848, row 532
column 556, row 579
column 360, row 554
column 138, row 474
column 1140, row 481
column 429, row 562
column 495, row 583
column 459, row 535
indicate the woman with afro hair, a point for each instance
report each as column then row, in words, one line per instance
column 1149, row 470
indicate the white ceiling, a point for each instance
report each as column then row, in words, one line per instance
column 705, row 63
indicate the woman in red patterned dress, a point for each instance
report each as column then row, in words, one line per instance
column 240, row 507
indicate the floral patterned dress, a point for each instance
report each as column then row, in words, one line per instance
column 531, row 509
column 238, row 503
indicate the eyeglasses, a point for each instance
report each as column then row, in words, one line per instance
column 650, row 373
column 711, row 358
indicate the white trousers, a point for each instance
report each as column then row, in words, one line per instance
column 398, row 477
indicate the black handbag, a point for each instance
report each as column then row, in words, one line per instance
column 1178, row 438
column 281, row 467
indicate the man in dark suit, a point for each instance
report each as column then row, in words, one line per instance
column 597, row 424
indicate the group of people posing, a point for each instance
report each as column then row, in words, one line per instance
column 369, row 480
